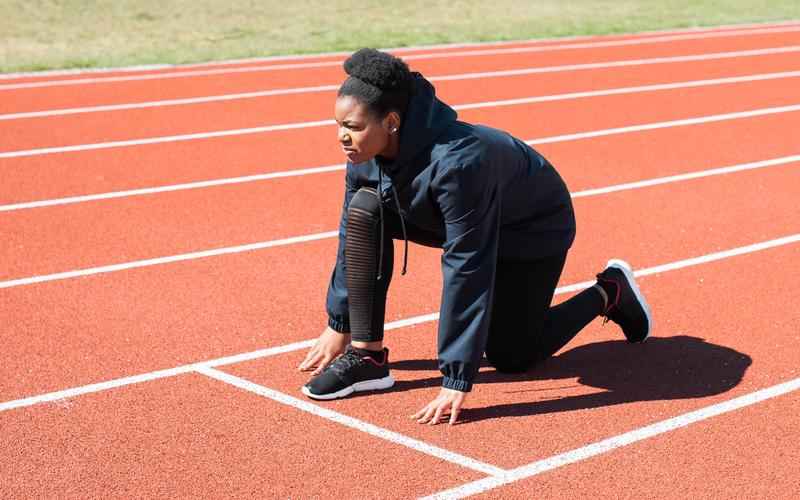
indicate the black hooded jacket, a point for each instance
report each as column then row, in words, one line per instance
column 486, row 194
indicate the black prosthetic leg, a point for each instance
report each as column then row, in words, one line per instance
column 369, row 259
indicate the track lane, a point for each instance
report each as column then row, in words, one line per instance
column 743, row 462
column 61, row 238
column 53, row 131
column 35, row 99
column 85, row 172
column 98, row 328
column 196, row 437
column 733, row 140
column 434, row 78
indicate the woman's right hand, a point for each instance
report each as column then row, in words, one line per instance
column 329, row 345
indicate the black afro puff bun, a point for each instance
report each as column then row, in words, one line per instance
column 381, row 81
column 385, row 71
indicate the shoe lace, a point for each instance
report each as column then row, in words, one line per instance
column 348, row 360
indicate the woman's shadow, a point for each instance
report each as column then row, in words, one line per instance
column 680, row 367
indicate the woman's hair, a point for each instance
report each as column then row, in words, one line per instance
column 381, row 81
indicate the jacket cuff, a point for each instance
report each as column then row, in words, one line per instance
column 340, row 326
column 458, row 385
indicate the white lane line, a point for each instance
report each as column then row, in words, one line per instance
column 410, row 57
column 455, row 77
column 631, row 90
column 155, row 375
column 619, row 64
column 353, row 423
column 611, row 43
column 703, row 259
column 443, row 48
column 673, row 123
column 619, row 441
column 332, row 168
column 322, row 123
column 688, row 176
column 333, row 234
column 170, row 75
column 98, row 387
column 263, row 353
column 169, row 102
column 400, row 50
column 172, row 372
column 163, row 139
column 83, row 71
column 169, row 188
column 167, row 260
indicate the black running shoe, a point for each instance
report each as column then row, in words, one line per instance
column 627, row 307
column 351, row 372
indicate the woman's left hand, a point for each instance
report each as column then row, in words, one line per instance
column 449, row 401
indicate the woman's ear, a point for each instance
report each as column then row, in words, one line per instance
column 392, row 122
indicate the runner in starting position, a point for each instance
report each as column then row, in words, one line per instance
column 499, row 211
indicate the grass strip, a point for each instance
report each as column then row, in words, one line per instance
column 62, row 34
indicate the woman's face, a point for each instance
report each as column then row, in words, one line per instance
column 361, row 134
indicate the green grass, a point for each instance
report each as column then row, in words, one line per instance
column 46, row 34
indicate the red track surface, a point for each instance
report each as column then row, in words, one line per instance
column 75, row 129
column 713, row 459
column 289, row 149
column 723, row 329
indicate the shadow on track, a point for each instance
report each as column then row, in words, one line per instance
column 679, row 367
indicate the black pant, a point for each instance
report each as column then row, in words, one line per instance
column 524, row 329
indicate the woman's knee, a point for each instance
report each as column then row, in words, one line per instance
column 365, row 203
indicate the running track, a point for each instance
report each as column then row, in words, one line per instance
column 168, row 241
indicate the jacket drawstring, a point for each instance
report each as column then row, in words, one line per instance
column 405, row 235
column 402, row 225
column 380, row 204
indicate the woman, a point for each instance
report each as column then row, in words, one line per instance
column 497, row 208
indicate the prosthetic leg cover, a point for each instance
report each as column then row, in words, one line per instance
column 365, row 254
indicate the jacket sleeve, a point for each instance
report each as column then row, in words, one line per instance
column 336, row 302
column 468, row 197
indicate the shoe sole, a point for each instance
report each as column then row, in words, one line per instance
column 367, row 385
column 628, row 272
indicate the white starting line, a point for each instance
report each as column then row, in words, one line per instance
column 351, row 422
column 612, row 443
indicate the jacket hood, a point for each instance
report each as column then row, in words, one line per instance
column 426, row 118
